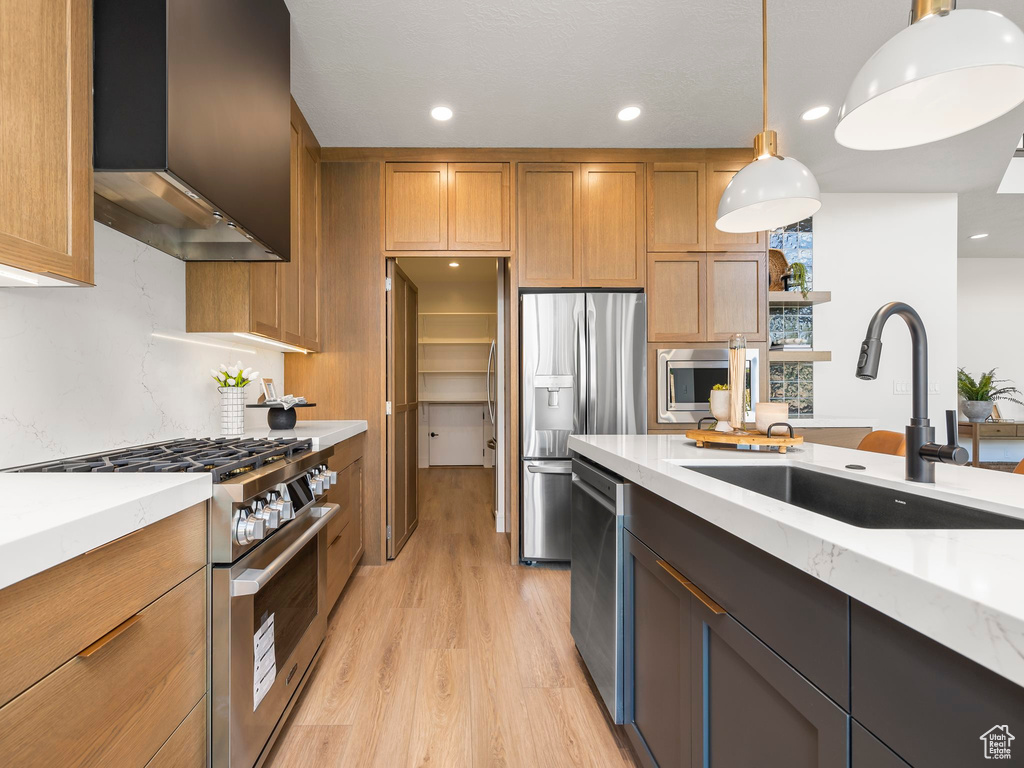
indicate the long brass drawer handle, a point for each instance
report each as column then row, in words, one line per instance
column 111, row 635
column 692, row 588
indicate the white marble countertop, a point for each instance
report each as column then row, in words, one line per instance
column 322, row 433
column 47, row 519
column 964, row 588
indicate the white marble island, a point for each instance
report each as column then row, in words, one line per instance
column 963, row 588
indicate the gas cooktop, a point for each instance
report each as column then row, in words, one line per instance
column 224, row 458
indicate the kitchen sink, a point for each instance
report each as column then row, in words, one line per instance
column 854, row 502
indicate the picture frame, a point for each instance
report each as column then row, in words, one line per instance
column 269, row 390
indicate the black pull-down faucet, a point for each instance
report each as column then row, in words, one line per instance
column 922, row 450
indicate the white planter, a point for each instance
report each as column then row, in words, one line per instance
column 232, row 411
column 720, row 409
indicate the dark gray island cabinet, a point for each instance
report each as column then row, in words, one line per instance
column 735, row 659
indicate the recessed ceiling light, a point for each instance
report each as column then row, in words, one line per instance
column 453, row 263
column 629, row 113
column 979, row 236
column 441, row 113
column 815, row 113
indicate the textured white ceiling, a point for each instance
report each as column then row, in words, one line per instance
column 521, row 73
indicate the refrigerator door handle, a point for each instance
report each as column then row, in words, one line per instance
column 582, row 380
column 591, row 358
column 550, row 469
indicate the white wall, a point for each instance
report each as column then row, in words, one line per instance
column 81, row 371
column 870, row 249
column 991, row 319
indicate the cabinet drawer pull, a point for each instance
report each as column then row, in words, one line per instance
column 111, row 635
column 692, row 588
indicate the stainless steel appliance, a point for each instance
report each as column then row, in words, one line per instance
column 268, row 574
column 596, row 609
column 584, row 371
column 191, row 125
column 687, row 376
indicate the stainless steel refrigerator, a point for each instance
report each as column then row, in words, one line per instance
column 584, row 372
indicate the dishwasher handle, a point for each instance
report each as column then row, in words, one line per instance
column 595, row 495
column 252, row 580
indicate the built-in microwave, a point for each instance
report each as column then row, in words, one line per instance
column 687, row 376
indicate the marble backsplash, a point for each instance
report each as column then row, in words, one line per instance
column 83, row 372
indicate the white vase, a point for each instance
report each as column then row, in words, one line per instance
column 720, row 409
column 232, row 411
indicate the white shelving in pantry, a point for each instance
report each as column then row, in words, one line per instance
column 453, row 351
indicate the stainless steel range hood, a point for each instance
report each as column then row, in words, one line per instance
column 192, row 116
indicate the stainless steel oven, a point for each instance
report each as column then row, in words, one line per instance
column 269, row 620
column 687, row 376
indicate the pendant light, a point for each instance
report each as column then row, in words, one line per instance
column 772, row 191
column 950, row 71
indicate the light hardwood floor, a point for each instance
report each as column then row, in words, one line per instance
column 449, row 656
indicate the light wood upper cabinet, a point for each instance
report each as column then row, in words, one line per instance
column 46, row 212
column 416, row 206
column 280, row 301
column 478, row 206
column 737, row 296
column 676, row 297
column 298, row 280
column 719, row 175
column 613, row 224
column 676, row 197
column 549, row 219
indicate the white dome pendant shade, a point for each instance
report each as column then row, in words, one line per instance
column 769, row 193
column 949, row 72
column 772, row 191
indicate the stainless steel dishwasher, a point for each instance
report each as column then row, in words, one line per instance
column 596, row 612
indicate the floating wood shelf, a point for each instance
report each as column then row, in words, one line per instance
column 452, row 342
column 799, row 356
column 452, row 398
column 796, row 299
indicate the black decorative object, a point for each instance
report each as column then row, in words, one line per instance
column 281, row 418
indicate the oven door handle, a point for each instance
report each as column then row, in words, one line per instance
column 252, row 580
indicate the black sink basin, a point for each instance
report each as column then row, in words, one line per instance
column 854, row 502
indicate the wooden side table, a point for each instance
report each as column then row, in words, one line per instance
column 988, row 430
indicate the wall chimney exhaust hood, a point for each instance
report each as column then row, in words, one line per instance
column 192, row 131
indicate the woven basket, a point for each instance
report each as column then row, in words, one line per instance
column 777, row 267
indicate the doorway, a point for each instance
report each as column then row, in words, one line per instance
column 459, row 370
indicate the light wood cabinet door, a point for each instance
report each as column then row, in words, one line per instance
column 550, row 221
column 719, row 175
column 478, row 206
column 613, row 252
column 46, row 210
column 264, row 300
column 549, row 224
column 289, row 276
column 416, row 206
column 737, row 296
column 676, row 196
column 307, row 222
column 676, row 296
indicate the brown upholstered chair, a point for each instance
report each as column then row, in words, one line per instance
column 883, row 441
column 1020, row 468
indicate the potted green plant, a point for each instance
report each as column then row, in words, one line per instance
column 798, row 276
column 979, row 396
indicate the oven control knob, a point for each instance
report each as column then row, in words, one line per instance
column 316, row 483
column 268, row 513
column 283, row 506
column 330, row 475
column 249, row 528
column 326, row 476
